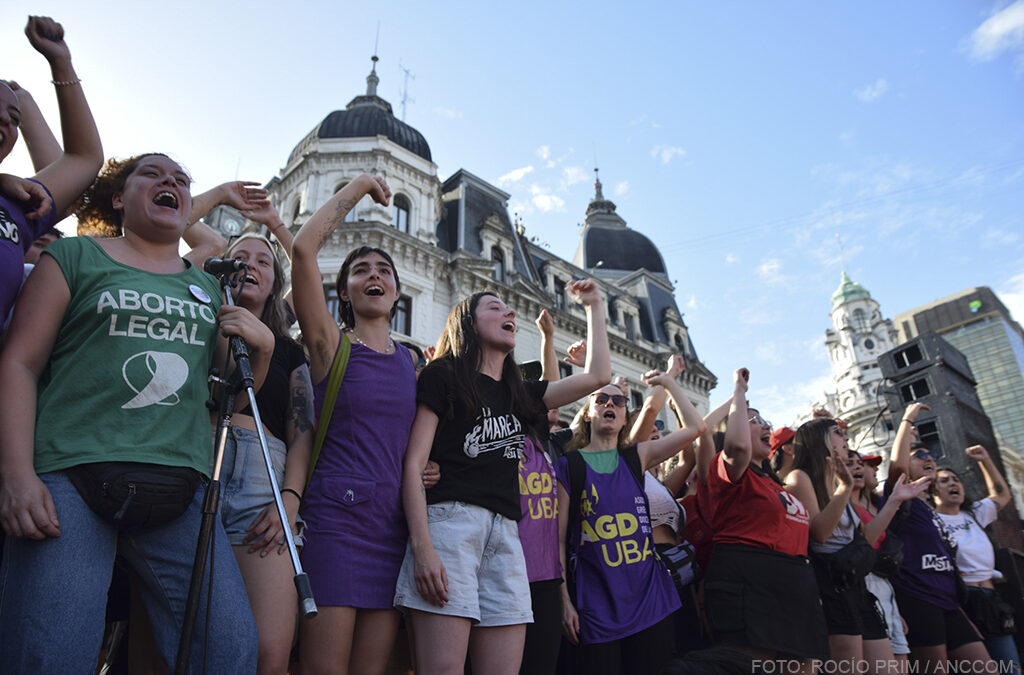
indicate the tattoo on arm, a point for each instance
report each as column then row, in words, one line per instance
column 301, row 400
column 999, row 488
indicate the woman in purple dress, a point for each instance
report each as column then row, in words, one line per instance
column 356, row 534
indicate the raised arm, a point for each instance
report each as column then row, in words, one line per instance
column 653, row 453
column 823, row 521
column 998, row 491
column 899, row 462
column 548, row 358
column 675, row 480
column 268, row 216
column 737, row 430
column 431, row 577
column 705, row 452
column 319, row 330
column 598, row 370
column 655, row 401
column 901, row 492
column 42, row 145
column 77, row 166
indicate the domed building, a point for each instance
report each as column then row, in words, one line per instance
column 453, row 237
column 859, row 334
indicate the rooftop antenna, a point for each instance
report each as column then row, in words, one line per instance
column 405, row 87
column 376, row 43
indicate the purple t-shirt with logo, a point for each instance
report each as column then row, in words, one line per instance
column 927, row 571
column 16, row 235
column 538, row 528
column 621, row 586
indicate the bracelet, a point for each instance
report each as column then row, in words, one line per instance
column 67, row 83
column 277, row 227
column 294, row 492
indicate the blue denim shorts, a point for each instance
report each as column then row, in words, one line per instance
column 245, row 485
column 484, row 561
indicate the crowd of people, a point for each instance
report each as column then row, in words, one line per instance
column 441, row 507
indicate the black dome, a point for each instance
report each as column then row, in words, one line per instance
column 620, row 249
column 369, row 118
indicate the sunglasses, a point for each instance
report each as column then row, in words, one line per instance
column 760, row 421
column 618, row 399
column 922, row 453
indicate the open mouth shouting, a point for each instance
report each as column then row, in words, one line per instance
column 166, row 199
column 509, row 326
column 375, row 291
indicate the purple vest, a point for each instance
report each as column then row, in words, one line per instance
column 538, row 528
column 16, row 234
column 621, row 586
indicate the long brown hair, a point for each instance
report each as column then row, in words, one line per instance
column 812, row 453
column 274, row 314
column 459, row 349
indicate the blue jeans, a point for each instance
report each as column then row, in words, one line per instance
column 53, row 593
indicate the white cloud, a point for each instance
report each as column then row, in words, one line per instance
column 666, row 153
column 447, row 113
column 573, row 174
column 691, row 302
column 731, row 259
column 544, row 151
column 515, row 175
column 784, row 405
column 846, row 137
column 768, row 352
column 1001, row 238
column 544, row 200
column 1003, row 31
column 1012, row 295
column 621, row 188
column 872, row 92
column 770, row 271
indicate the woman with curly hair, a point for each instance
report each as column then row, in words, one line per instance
column 464, row 578
column 105, row 371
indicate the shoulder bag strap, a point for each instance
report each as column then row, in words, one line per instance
column 334, row 379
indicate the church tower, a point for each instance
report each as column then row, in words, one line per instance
column 857, row 337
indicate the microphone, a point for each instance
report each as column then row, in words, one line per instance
column 221, row 266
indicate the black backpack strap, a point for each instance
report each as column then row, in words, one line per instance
column 632, row 457
column 577, row 478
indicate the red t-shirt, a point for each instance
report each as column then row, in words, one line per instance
column 755, row 511
column 866, row 517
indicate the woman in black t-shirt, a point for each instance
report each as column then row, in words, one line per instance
column 464, row 578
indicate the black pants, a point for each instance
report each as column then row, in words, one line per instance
column 642, row 653
column 544, row 635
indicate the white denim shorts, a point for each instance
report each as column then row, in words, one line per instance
column 484, row 561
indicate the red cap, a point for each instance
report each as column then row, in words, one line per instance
column 780, row 437
column 871, row 460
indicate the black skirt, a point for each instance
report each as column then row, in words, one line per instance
column 760, row 598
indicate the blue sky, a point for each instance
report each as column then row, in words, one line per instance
column 740, row 137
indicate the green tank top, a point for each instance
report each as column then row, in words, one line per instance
column 126, row 380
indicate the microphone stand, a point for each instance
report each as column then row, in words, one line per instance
column 211, row 497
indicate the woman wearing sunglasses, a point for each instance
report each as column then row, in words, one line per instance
column 620, row 602
column 926, row 586
column 760, row 594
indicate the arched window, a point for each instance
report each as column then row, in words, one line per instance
column 499, row 263
column 860, row 321
column 400, row 213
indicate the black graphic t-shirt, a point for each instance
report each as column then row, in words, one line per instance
column 478, row 451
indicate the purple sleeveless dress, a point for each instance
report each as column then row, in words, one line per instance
column 621, row 587
column 355, row 527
